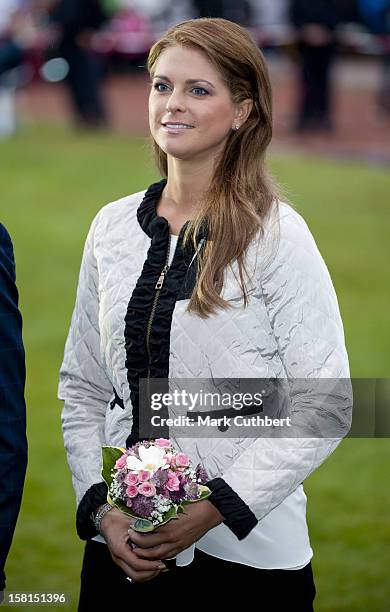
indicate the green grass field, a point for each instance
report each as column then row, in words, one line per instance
column 52, row 184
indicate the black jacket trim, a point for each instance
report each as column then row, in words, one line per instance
column 93, row 498
column 117, row 401
column 138, row 363
column 238, row 516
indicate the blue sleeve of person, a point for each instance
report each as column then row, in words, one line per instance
column 13, row 444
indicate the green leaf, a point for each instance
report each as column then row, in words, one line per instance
column 120, row 504
column 143, row 525
column 205, row 492
column 168, row 516
column 110, row 454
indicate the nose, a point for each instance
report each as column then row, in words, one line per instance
column 175, row 102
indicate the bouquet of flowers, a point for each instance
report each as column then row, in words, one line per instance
column 152, row 482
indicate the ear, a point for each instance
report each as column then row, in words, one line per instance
column 243, row 110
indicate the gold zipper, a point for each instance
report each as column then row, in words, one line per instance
column 158, row 288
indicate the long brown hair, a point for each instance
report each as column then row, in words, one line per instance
column 242, row 191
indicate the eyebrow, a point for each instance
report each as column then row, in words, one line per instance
column 188, row 81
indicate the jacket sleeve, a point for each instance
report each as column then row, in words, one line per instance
column 13, row 443
column 85, row 388
column 304, row 315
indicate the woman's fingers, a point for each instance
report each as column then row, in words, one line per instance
column 135, row 575
column 115, row 533
column 149, row 540
column 122, row 551
column 140, row 565
column 163, row 551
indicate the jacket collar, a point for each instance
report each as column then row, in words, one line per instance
column 146, row 213
column 150, row 221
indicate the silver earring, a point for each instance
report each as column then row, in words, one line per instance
column 236, row 127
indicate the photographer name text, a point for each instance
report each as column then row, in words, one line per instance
column 208, row 421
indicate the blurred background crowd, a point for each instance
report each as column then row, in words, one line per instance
column 82, row 43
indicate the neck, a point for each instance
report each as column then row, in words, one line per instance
column 186, row 183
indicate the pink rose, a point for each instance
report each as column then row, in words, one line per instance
column 173, row 483
column 121, row 462
column 131, row 478
column 182, row 460
column 171, row 460
column 143, row 475
column 167, row 459
column 147, row 488
column 131, row 491
column 163, row 443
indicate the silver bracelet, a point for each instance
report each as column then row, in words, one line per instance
column 97, row 516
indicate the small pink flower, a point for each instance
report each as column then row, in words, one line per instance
column 147, row 488
column 121, row 462
column 131, row 491
column 171, row 460
column 129, row 503
column 182, row 460
column 173, row 483
column 143, row 475
column 163, row 443
column 131, row 478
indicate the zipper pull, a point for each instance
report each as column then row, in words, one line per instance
column 161, row 278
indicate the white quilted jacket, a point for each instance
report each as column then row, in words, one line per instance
column 291, row 328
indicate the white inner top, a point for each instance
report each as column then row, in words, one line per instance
column 172, row 248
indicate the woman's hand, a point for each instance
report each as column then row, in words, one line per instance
column 114, row 527
column 178, row 534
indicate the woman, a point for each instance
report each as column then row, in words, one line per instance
column 259, row 303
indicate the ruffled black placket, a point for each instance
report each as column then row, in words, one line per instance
column 149, row 313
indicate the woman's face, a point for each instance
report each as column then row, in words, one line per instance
column 190, row 109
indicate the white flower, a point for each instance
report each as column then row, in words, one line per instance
column 151, row 459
